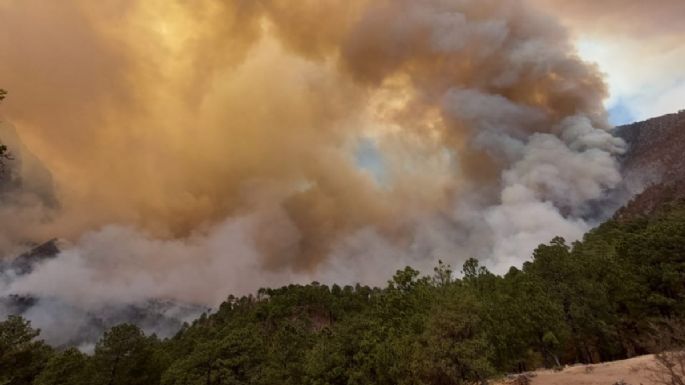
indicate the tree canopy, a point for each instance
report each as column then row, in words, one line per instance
column 599, row 299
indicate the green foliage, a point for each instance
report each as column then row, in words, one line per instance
column 454, row 348
column 69, row 367
column 125, row 356
column 594, row 300
column 22, row 357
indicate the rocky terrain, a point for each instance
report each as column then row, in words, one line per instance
column 654, row 165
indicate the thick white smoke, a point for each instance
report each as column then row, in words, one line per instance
column 224, row 156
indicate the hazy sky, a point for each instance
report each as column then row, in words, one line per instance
column 638, row 46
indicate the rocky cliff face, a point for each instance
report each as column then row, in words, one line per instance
column 654, row 165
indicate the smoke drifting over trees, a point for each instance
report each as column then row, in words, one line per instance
column 200, row 148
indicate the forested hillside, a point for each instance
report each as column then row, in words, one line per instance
column 604, row 298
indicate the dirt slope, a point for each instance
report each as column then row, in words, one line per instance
column 634, row 371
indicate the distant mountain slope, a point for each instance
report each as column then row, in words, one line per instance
column 24, row 263
column 654, row 165
column 69, row 324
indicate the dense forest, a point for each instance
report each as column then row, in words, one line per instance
column 603, row 298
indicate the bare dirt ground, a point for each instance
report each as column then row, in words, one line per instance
column 634, row 371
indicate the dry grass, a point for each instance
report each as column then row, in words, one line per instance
column 669, row 368
column 630, row 372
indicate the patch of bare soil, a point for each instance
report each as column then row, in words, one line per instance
column 634, row 371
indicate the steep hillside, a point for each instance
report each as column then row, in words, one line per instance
column 654, row 165
column 616, row 294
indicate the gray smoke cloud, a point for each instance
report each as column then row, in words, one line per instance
column 221, row 152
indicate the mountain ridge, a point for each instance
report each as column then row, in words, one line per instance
column 653, row 167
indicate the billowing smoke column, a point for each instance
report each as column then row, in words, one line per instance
column 207, row 147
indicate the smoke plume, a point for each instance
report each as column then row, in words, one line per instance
column 208, row 147
column 638, row 44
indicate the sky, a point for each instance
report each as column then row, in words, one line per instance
column 638, row 45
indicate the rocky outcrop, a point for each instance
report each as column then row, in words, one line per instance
column 654, row 165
